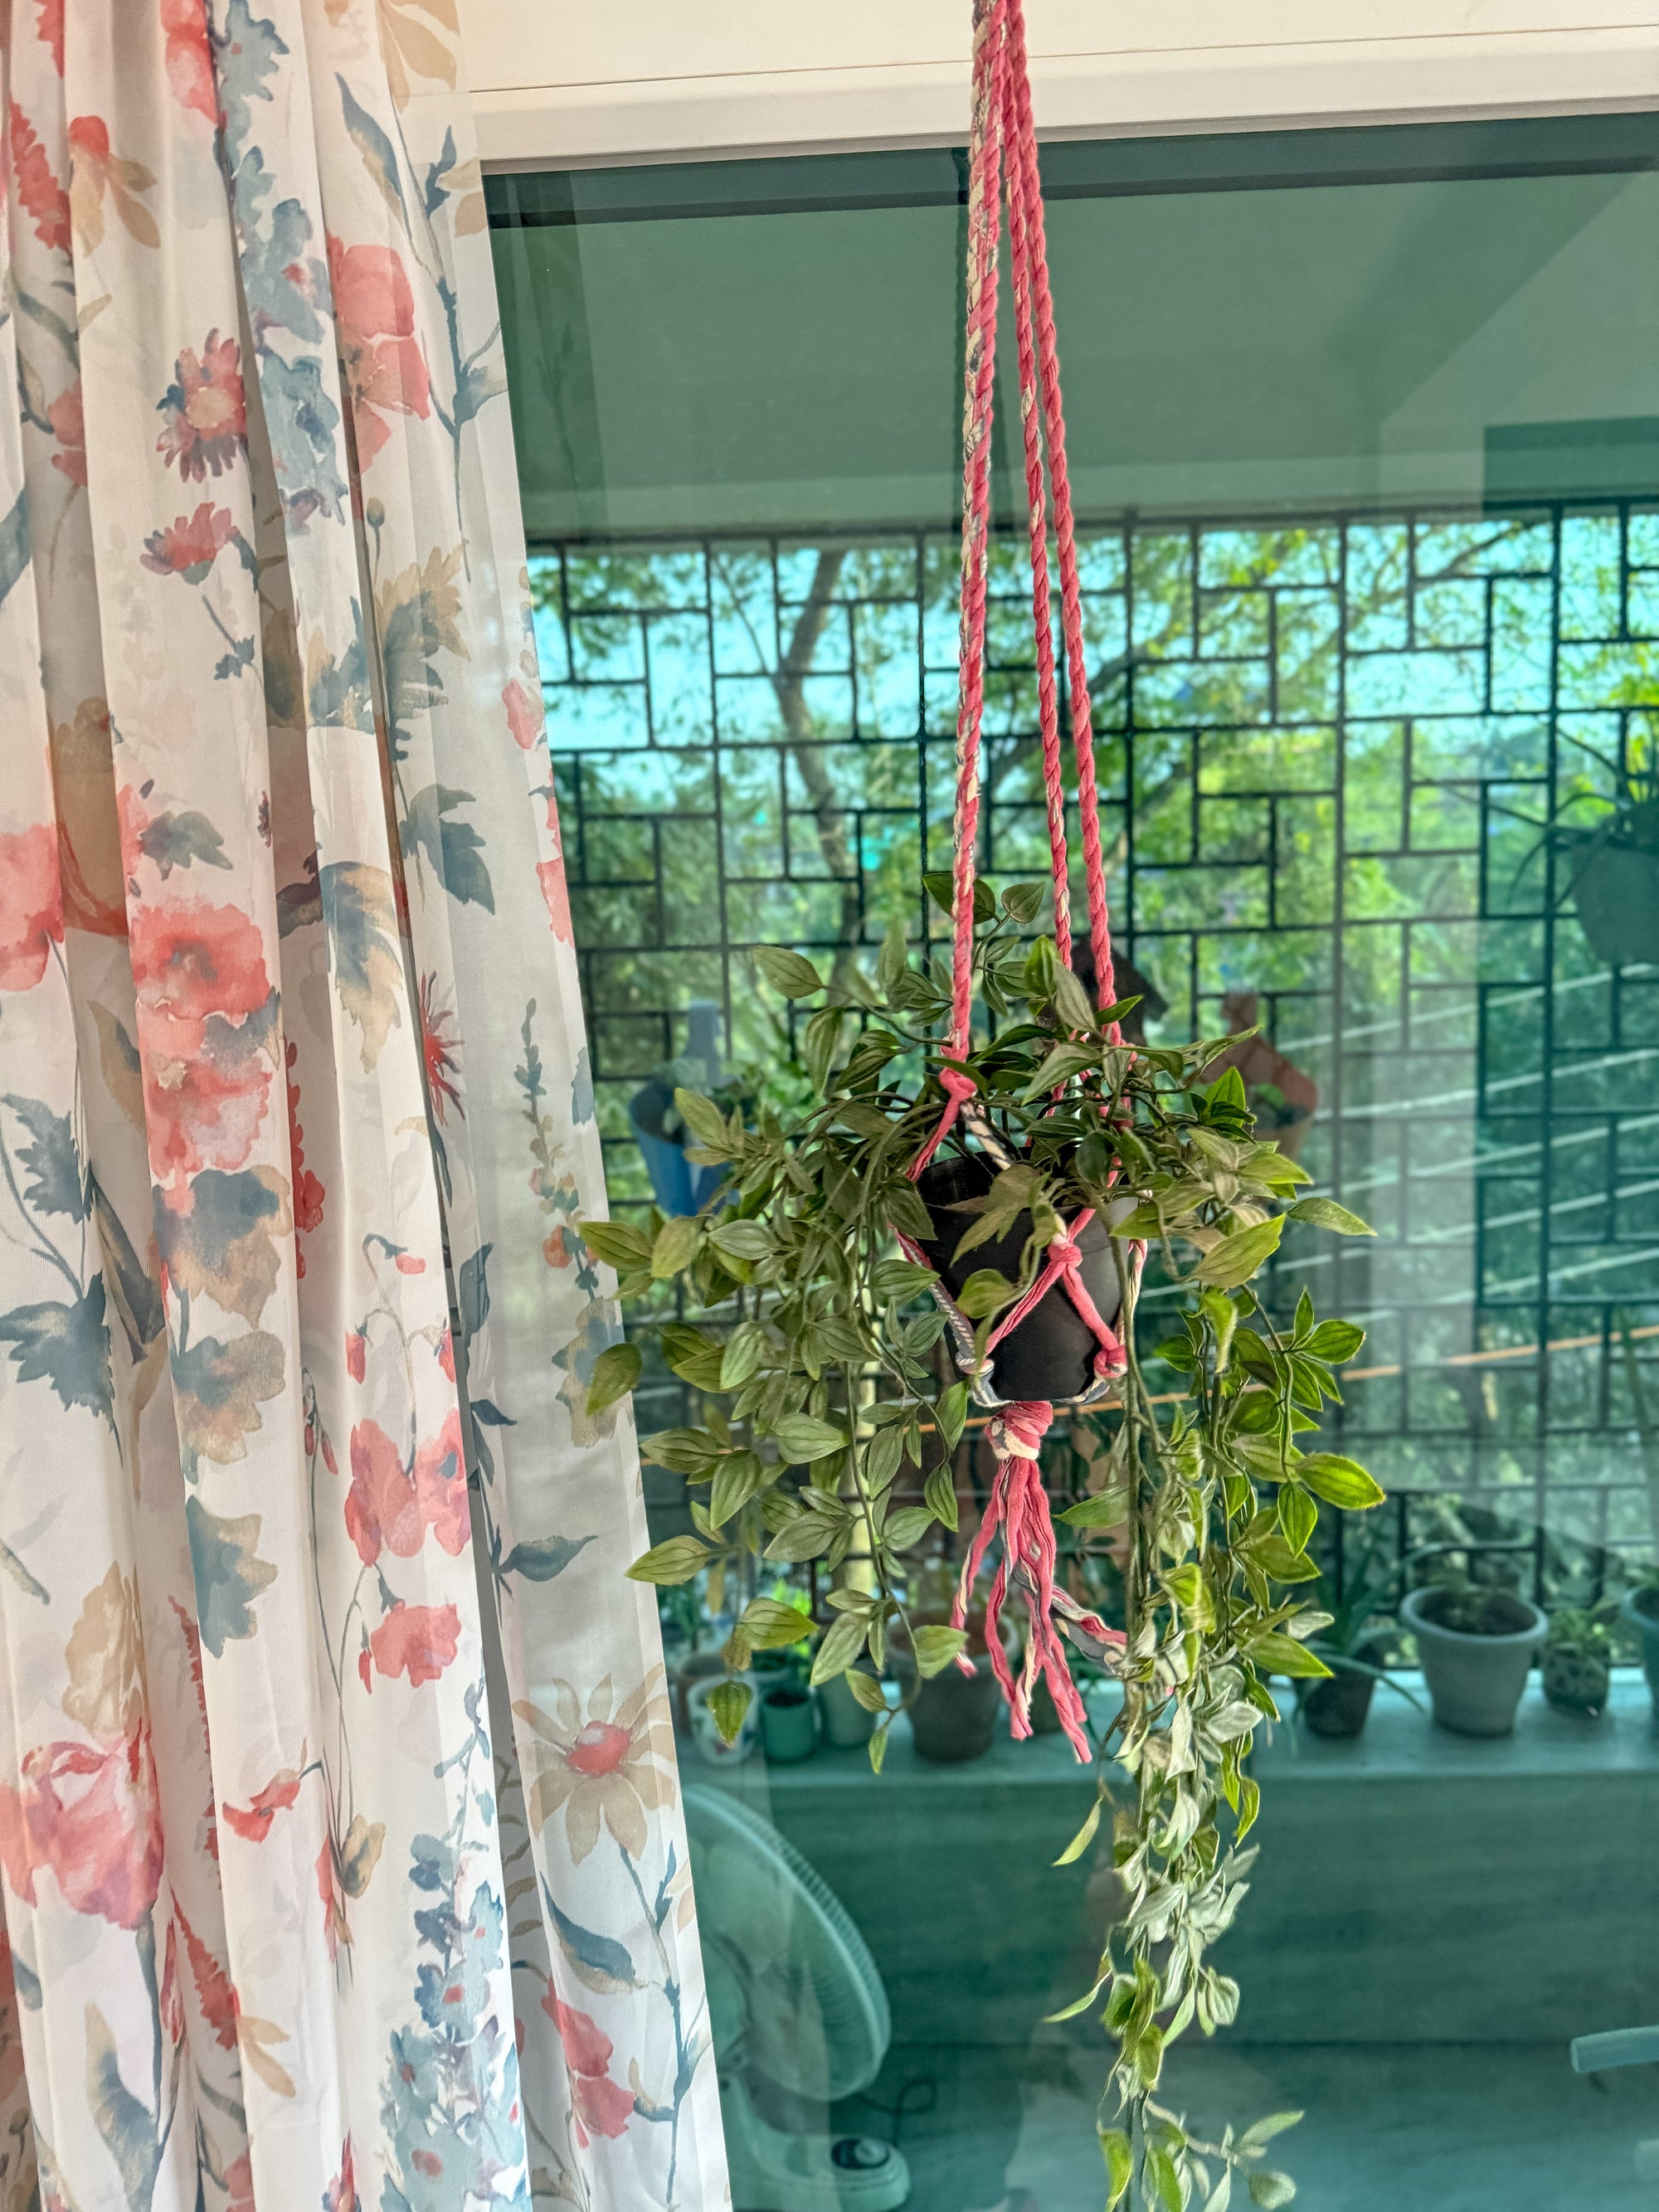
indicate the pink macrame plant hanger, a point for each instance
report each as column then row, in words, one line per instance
column 1003, row 159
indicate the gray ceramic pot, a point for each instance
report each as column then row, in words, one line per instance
column 1646, row 1625
column 789, row 1725
column 846, row 1722
column 1475, row 1681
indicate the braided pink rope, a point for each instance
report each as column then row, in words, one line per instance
column 1019, row 1509
column 1018, row 1506
column 1019, row 256
column 1021, row 131
column 984, row 209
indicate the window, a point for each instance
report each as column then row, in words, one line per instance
column 1364, row 436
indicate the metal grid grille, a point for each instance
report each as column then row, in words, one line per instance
column 1349, row 763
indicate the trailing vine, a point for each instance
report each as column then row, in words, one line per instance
column 823, row 1414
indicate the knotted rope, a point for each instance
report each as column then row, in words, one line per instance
column 1003, row 154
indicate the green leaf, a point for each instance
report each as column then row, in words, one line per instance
column 1260, row 2132
column 1120, row 2164
column 616, row 1371
column 879, row 1743
column 1283, row 1655
column 1336, row 1341
column 985, row 901
column 842, row 1644
column 939, row 1492
column 738, row 1476
column 951, row 1414
column 729, row 1702
column 1326, row 1213
column 882, row 1455
column 800, row 1436
column 894, row 958
column 1084, row 1836
column 899, row 1281
column 940, row 888
column 740, row 1240
column 695, row 1357
column 1072, row 1001
column 1298, row 1516
column 1272, row 2190
column 1076, row 2005
column 1185, row 1585
column 684, row 1451
column 866, row 1690
column 1236, row 1258
column 936, row 1648
column 907, row 1527
column 676, row 1247
column 985, row 1292
column 769, row 1624
column 807, row 1537
column 1065, row 1061
column 1108, row 1509
column 742, row 1354
column 704, row 1120
column 819, row 1044
column 788, row 971
column 616, row 1242
column 1339, row 1481
column 1024, row 901
column 676, row 1561
column 1161, row 2172
column 1273, row 1554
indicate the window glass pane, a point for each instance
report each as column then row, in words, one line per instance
column 1364, row 429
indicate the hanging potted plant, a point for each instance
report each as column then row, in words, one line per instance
column 1611, row 861
column 1577, row 1661
column 1000, row 1193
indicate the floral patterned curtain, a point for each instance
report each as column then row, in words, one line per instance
column 339, row 1825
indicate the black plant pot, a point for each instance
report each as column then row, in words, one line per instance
column 1339, row 1705
column 1051, row 1355
column 1615, row 893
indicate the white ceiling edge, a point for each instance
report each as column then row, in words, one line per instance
column 1445, row 77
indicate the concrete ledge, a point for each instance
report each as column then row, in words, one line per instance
column 1412, row 1885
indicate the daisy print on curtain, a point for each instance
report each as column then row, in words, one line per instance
column 340, row 1841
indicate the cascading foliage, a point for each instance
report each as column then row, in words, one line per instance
column 818, row 1379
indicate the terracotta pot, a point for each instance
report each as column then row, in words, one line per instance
column 1051, row 1355
column 1475, row 1680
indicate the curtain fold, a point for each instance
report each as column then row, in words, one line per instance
column 338, row 1814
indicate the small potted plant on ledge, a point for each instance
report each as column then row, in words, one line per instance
column 1639, row 1609
column 1352, row 1646
column 1476, row 1645
column 1577, row 1661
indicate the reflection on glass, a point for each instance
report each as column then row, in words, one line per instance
column 1366, row 438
